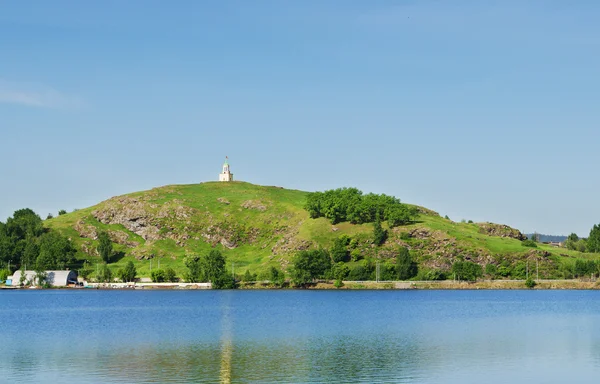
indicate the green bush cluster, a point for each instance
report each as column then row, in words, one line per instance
column 467, row 270
column 24, row 241
column 529, row 243
column 209, row 267
column 349, row 204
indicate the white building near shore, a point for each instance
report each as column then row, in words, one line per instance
column 54, row 278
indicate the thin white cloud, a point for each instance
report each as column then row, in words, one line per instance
column 35, row 95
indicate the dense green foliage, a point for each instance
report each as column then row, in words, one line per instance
column 104, row 274
column 593, row 241
column 105, row 247
column 405, row 265
column 25, row 242
column 4, row 273
column 158, row 276
column 585, row 268
column 128, row 273
column 529, row 243
column 530, row 283
column 467, row 270
column 170, row 275
column 310, row 265
column 209, row 267
column 349, row 204
column 379, row 234
column 339, row 250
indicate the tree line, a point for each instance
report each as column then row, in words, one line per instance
column 24, row 242
column 350, row 204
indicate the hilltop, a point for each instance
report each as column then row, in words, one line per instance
column 261, row 226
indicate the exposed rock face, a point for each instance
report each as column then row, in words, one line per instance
column 85, row 230
column 425, row 211
column 500, row 230
column 223, row 200
column 130, row 213
column 254, row 204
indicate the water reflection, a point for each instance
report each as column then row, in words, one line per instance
column 233, row 337
column 226, row 339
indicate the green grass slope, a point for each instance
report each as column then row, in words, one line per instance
column 259, row 226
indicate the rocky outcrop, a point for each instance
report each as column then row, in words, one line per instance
column 254, row 204
column 130, row 213
column 86, row 230
column 500, row 230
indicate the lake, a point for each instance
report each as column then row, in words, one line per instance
column 92, row 336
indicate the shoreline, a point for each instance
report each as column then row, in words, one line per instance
column 352, row 285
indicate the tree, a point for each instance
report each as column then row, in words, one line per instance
column 104, row 274
column 310, row 265
column 23, row 223
column 593, row 241
column 56, row 251
column 105, row 246
column 491, row 270
column 276, row 276
column 209, row 267
column 339, row 252
column 379, row 234
column 128, row 273
column 248, row 276
column 573, row 237
column 530, row 283
column 50, row 216
column 405, row 265
column 212, row 265
column 62, row 212
column 194, row 272
column 170, row 275
column 467, row 270
column 158, row 276
column 40, row 277
column 340, row 271
column 31, row 252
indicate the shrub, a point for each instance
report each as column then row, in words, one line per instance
column 431, row 275
column 4, row 273
column 355, row 255
column 467, row 270
column 338, row 283
column 529, row 243
column 491, row 270
column 249, row 276
column 405, row 265
column 128, row 273
column 359, row 273
column 170, row 275
column 405, row 236
column 104, row 274
column 158, row 276
column 530, row 283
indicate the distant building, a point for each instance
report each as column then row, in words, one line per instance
column 226, row 175
column 55, row 278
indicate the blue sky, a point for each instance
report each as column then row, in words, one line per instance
column 485, row 111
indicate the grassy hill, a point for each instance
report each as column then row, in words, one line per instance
column 258, row 226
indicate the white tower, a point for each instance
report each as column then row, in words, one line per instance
column 226, row 175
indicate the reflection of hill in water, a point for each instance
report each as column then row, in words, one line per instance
column 299, row 336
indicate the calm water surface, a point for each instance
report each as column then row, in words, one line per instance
column 86, row 336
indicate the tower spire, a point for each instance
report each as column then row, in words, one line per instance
column 226, row 175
